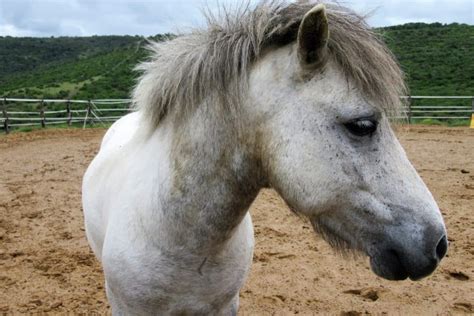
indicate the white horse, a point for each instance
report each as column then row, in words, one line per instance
column 292, row 97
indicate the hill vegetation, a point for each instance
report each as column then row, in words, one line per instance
column 67, row 67
column 20, row 55
column 436, row 58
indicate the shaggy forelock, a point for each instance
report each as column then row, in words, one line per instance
column 214, row 62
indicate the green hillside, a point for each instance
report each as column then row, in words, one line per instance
column 68, row 67
column 20, row 55
column 436, row 58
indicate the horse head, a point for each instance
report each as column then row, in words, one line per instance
column 320, row 109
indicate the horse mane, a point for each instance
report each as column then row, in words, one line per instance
column 214, row 62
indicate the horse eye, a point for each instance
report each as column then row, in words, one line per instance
column 362, row 127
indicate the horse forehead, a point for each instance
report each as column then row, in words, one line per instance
column 279, row 69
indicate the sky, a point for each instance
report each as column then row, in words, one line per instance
column 45, row 18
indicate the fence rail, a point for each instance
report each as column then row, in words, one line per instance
column 42, row 112
column 461, row 110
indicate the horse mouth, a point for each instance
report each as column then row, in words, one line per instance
column 387, row 259
column 389, row 265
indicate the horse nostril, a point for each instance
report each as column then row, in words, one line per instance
column 442, row 247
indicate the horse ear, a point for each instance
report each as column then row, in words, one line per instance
column 313, row 36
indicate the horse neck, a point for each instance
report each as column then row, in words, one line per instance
column 213, row 180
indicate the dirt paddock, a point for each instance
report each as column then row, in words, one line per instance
column 46, row 265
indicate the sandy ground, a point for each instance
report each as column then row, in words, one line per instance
column 46, row 265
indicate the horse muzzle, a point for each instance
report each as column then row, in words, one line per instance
column 400, row 260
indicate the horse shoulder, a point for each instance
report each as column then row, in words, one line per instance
column 121, row 131
column 98, row 178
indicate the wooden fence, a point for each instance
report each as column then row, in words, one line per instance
column 41, row 112
column 35, row 112
column 462, row 109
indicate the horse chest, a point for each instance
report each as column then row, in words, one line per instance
column 177, row 281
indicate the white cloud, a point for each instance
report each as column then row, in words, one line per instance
column 392, row 12
column 148, row 17
column 12, row 30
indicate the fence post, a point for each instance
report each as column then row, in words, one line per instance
column 88, row 112
column 43, row 120
column 68, row 111
column 5, row 115
column 409, row 109
column 472, row 114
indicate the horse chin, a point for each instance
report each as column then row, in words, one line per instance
column 388, row 266
column 342, row 244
